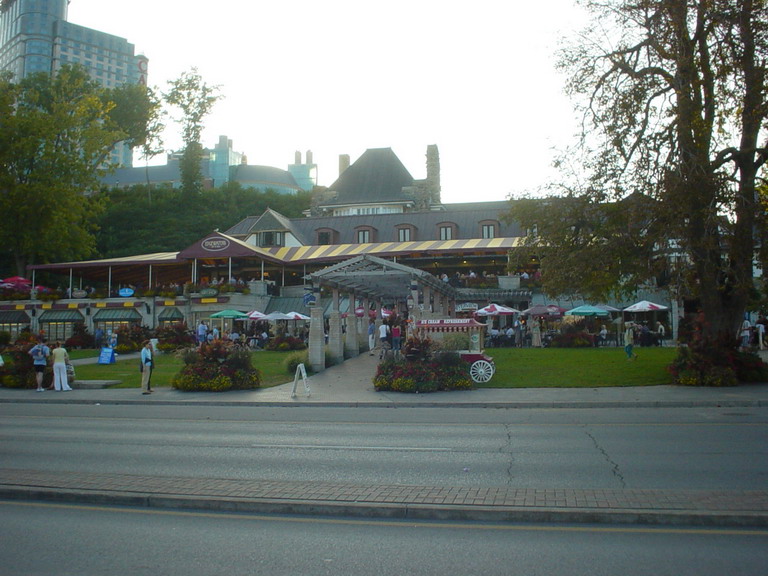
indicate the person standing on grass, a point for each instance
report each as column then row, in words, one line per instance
column 40, row 353
column 147, row 364
column 629, row 341
column 60, row 358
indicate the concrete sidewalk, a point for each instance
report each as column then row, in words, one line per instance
column 350, row 385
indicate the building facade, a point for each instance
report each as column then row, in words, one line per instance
column 35, row 36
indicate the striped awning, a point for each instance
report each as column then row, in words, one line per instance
column 170, row 313
column 49, row 316
column 387, row 249
column 13, row 317
column 117, row 315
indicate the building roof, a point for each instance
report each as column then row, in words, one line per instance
column 377, row 176
column 263, row 176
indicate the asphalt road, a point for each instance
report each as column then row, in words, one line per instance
column 62, row 540
column 704, row 448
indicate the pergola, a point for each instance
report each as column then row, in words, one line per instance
column 371, row 279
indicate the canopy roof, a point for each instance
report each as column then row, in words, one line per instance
column 377, row 278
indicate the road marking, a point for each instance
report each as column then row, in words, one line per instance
column 397, row 523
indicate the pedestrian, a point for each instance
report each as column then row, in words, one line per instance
column 60, row 359
column 383, row 337
column 536, row 333
column 147, row 364
column 371, row 336
column 660, row 334
column 40, row 353
column 396, row 339
column 760, row 327
column 518, row 332
column 629, row 341
column 745, row 333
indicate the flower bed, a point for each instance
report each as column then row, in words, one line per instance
column 216, row 367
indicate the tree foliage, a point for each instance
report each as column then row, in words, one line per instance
column 132, row 224
column 54, row 134
column 674, row 109
column 195, row 100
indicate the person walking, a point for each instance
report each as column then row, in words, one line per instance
column 60, row 359
column 383, row 337
column 40, row 353
column 371, row 336
column 745, row 332
column 535, row 333
column 147, row 364
column 396, row 339
column 629, row 341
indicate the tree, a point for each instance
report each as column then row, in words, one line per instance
column 195, row 99
column 54, row 134
column 673, row 100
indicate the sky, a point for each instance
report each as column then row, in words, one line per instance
column 341, row 76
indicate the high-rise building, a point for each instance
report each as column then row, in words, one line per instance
column 36, row 37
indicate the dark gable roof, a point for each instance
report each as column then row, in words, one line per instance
column 377, row 176
column 467, row 218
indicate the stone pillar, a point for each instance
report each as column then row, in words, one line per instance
column 352, row 341
column 316, row 338
column 427, row 294
column 335, row 336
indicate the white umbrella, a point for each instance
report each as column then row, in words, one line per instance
column 297, row 316
column 256, row 315
column 644, row 306
column 496, row 310
column 277, row 316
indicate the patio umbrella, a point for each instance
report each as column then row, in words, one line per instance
column 496, row 310
column 297, row 316
column 608, row 308
column 277, row 316
column 541, row 310
column 17, row 280
column 587, row 310
column 232, row 314
column 644, row 306
column 256, row 315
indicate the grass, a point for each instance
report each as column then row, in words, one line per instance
column 515, row 368
column 271, row 365
column 579, row 367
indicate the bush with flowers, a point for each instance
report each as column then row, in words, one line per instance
column 216, row 367
column 172, row 337
column 422, row 370
column 714, row 361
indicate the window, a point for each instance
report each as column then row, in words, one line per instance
column 446, row 232
column 363, row 236
column 404, row 235
column 323, row 238
column 271, row 239
column 489, row 231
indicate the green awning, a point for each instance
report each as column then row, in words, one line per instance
column 170, row 313
column 13, row 317
column 61, row 316
column 116, row 315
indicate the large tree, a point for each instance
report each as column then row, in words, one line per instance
column 55, row 133
column 195, row 100
column 673, row 96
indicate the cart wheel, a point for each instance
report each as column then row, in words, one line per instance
column 481, row 371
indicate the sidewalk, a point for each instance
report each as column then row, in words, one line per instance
column 350, row 385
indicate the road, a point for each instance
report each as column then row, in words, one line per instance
column 706, row 448
column 63, row 540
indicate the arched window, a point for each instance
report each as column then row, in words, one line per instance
column 365, row 234
column 447, row 231
column 327, row 236
column 489, row 229
column 405, row 233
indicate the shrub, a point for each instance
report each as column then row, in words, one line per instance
column 5, row 338
column 285, row 344
column 714, row 361
column 216, row 367
column 443, row 373
column 293, row 361
column 174, row 336
column 18, row 371
column 80, row 338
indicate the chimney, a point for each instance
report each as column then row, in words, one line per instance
column 343, row 163
column 297, row 157
column 309, row 157
column 433, row 173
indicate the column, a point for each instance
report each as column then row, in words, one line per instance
column 316, row 337
column 335, row 336
column 352, row 341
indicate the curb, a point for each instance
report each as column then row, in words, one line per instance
column 403, row 511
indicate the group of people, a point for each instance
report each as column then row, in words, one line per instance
column 255, row 336
column 750, row 335
column 517, row 333
column 390, row 336
column 41, row 354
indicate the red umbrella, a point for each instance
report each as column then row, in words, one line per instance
column 17, row 280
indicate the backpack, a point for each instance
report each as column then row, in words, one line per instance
column 39, row 353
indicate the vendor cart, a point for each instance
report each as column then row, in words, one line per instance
column 481, row 366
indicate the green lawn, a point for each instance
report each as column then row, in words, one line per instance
column 515, row 368
column 271, row 365
column 578, row 367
